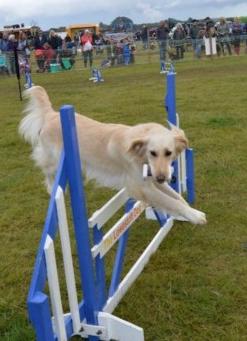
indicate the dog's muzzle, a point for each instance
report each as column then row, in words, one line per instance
column 161, row 179
column 146, row 173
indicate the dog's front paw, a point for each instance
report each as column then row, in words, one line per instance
column 197, row 217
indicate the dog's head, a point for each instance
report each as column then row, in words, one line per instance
column 159, row 148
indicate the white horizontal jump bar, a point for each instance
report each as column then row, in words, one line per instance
column 137, row 268
column 118, row 229
column 101, row 216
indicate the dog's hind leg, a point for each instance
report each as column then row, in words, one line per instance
column 159, row 200
column 49, row 180
column 47, row 159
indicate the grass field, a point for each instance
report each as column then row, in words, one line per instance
column 195, row 287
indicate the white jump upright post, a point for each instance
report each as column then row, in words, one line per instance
column 92, row 317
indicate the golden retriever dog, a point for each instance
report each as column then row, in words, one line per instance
column 112, row 154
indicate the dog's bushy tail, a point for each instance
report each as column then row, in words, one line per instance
column 36, row 110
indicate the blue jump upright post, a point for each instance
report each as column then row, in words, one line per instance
column 78, row 203
column 170, row 105
column 173, row 117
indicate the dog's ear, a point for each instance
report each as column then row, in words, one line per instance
column 181, row 141
column 138, row 147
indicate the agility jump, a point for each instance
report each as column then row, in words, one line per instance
column 92, row 317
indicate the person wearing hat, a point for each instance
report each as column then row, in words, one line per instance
column 87, row 47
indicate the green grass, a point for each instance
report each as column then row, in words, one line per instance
column 194, row 287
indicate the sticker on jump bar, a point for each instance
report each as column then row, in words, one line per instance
column 118, row 230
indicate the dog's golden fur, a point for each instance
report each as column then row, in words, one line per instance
column 112, row 154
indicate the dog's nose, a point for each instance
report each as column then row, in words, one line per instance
column 161, row 178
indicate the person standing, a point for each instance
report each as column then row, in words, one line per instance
column 194, row 33
column 126, row 52
column 11, row 47
column 179, row 37
column 199, row 43
column 144, row 36
column 111, row 51
column 236, row 32
column 87, row 47
column 4, row 50
column 223, row 31
column 162, row 37
column 38, row 43
column 22, row 46
column 210, row 41
column 55, row 43
column 3, row 42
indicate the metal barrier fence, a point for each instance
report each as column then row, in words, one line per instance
column 114, row 55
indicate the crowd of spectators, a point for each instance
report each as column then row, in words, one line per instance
column 46, row 49
column 49, row 48
column 174, row 41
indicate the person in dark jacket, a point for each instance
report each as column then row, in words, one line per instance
column 245, row 35
column 144, row 36
column 39, row 42
column 194, row 31
column 54, row 40
column 11, row 47
column 55, row 43
column 162, row 37
column 179, row 37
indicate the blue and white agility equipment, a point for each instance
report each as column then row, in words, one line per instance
column 183, row 168
column 166, row 67
column 96, row 76
column 28, row 78
column 26, row 69
column 183, row 176
column 91, row 317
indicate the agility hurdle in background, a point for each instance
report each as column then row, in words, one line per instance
column 92, row 317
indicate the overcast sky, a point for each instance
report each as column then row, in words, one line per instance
column 53, row 13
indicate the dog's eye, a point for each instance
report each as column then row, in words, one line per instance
column 168, row 152
column 153, row 153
